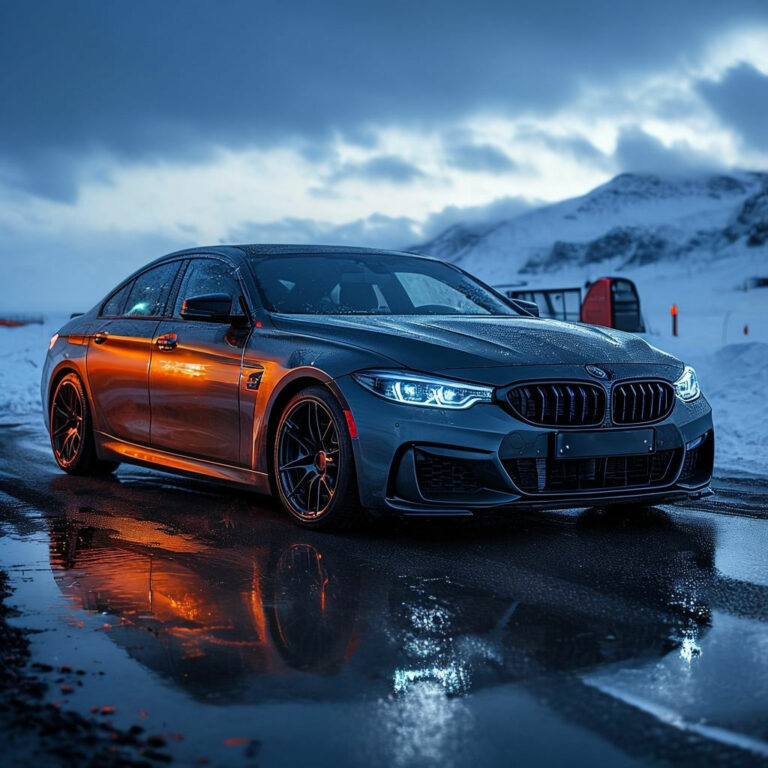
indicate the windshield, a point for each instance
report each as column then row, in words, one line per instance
column 342, row 284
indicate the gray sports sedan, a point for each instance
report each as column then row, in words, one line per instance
column 348, row 381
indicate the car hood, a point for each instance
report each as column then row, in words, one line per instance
column 450, row 343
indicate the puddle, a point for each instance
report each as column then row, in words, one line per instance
column 239, row 638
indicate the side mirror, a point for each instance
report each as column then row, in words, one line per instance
column 213, row 308
column 529, row 307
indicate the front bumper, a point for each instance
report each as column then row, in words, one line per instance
column 427, row 461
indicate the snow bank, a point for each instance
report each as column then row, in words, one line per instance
column 735, row 379
column 22, row 352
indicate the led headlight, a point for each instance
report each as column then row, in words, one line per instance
column 687, row 386
column 415, row 389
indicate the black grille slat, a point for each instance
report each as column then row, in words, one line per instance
column 559, row 404
column 641, row 402
column 571, row 401
column 634, row 403
column 543, row 396
column 594, row 474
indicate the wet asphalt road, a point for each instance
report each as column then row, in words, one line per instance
column 569, row 638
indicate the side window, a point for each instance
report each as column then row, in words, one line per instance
column 150, row 291
column 116, row 302
column 206, row 276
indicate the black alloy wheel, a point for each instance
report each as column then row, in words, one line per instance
column 71, row 430
column 313, row 462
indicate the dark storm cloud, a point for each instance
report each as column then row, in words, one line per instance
column 740, row 100
column 146, row 80
column 382, row 168
column 482, row 158
column 638, row 152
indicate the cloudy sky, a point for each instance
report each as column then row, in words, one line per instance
column 130, row 129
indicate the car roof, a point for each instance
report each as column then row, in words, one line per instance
column 265, row 250
column 240, row 252
column 309, row 250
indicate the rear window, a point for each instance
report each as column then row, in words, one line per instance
column 115, row 303
column 146, row 296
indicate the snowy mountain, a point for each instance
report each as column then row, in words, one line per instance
column 631, row 221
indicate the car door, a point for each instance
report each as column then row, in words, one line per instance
column 194, row 374
column 119, row 351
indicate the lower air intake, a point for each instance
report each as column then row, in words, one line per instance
column 443, row 476
column 609, row 473
column 697, row 466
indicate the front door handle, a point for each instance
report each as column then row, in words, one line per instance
column 167, row 342
column 100, row 338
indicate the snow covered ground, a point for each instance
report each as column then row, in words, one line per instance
column 714, row 311
column 733, row 368
column 22, row 352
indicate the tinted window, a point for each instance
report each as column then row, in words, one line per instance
column 150, row 290
column 626, row 306
column 116, row 302
column 207, row 276
column 337, row 284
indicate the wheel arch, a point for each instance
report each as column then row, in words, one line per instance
column 291, row 384
column 58, row 374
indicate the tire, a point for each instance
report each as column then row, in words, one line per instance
column 71, row 430
column 313, row 463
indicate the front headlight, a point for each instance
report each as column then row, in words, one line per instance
column 687, row 386
column 415, row 389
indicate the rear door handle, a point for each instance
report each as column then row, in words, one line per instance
column 167, row 342
column 100, row 338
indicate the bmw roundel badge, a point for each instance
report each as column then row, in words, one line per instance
column 598, row 373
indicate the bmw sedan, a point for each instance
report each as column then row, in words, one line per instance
column 347, row 381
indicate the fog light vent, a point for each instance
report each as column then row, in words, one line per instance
column 441, row 475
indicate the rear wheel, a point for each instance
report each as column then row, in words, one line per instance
column 314, row 468
column 72, row 430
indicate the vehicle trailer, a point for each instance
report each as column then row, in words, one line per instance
column 609, row 301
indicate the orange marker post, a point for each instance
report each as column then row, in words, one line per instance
column 673, row 312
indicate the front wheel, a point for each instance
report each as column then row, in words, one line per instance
column 314, row 468
column 72, row 430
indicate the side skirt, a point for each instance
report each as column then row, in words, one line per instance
column 109, row 447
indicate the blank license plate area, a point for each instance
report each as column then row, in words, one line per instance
column 586, row 445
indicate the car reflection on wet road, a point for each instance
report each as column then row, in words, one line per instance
column 217, row 603
column 570, row 638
